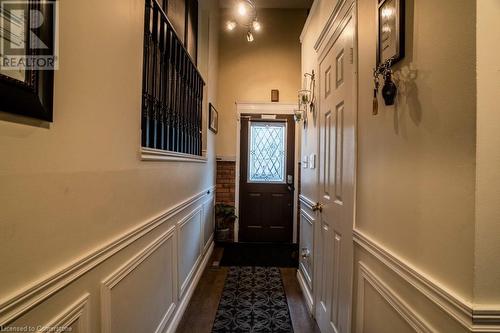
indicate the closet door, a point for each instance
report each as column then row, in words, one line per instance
column 333, row 293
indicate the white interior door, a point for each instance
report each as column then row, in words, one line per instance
column 333, row 293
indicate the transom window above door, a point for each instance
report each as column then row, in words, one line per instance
column 267, row 152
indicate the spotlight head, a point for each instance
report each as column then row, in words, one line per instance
column 242, row 8
column 256, row 25
column 249, row 36
column 230, row 25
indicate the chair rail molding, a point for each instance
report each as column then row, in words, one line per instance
column 408, row 314
column 18, row 303
column 474, row 317
column 114, row 278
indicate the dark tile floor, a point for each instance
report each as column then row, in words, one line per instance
column 200, row 313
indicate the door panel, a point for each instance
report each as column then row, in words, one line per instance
column 266, row 179
column 337, row 116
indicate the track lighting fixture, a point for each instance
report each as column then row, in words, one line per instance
column 245, row 15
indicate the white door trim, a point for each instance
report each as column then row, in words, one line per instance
column 266, row 108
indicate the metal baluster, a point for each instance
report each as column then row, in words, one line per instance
column 175, row 89
column 161, row 88
column 190, row 111
column 184, row 100
column 200, row 111
column 146, row 112
column 154, row 80
column 166, row 120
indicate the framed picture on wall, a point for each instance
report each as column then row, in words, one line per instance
column 391, row 34
column 28, row 57
column 213, row 119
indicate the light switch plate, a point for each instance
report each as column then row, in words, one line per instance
column 305, row 162
column 312, row 161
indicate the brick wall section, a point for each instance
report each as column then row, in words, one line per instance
column 226, row 173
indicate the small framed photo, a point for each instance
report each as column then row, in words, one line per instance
column 391, row 31
column 275, row 95
column 213, row 119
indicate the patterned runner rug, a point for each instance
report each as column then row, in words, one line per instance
column 253, row 300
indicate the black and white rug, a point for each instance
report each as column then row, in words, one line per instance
column 253, row 300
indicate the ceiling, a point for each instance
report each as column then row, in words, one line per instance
column 271, row 3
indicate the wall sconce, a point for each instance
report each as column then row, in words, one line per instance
column 298, row 115
column 306, row 95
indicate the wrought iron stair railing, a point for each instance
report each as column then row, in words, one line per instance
column 172, row 93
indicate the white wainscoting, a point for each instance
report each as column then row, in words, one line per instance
column 472, row 317
column 208, row 221
column 308, row 296
column 117, row 314
column 365, row 275
column 75, row 316
column 139, row 274
column 189, row 247
column 306, row 241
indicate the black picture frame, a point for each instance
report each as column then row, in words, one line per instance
column 213, row 119
column 391, row 16
column 33, row 97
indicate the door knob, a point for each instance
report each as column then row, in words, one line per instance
column 317, row 207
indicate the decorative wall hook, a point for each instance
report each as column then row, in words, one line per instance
column 389, row 90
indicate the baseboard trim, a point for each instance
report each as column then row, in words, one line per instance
column 17, row 304
column 474, row 317
column 305, row 291
column 181, row 308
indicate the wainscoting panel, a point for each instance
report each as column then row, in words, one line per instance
column 208, row 223
column 189, row 247
column 131, row 305
column 306, row 246
column 74, row 318
column 383, row 306
column 134, row 281
column 419, row 300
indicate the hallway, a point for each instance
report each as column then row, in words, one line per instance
column 271, row 166
column 201, row 311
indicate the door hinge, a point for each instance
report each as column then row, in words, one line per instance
column 351, row 54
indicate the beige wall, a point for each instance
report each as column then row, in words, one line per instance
column 248, row 71
column 70, row 187
column 487, row 270
column 416, row 168
column 318, row 15
column 416, row 161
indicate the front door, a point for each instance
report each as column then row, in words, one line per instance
column 337, row 151
column 266, row 178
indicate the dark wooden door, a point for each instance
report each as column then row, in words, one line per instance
column 266, row 178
